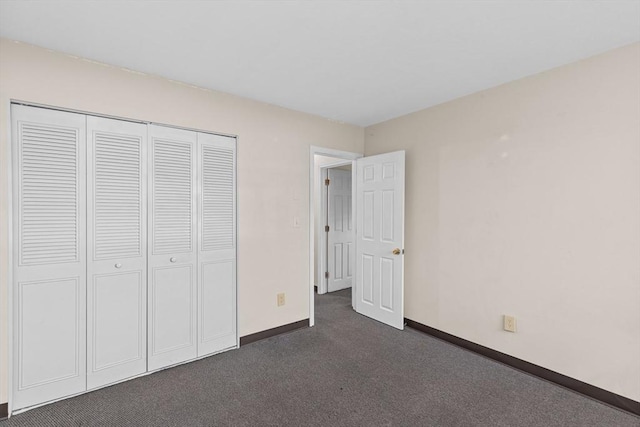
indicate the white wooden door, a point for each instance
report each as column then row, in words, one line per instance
column 49, row 255
column 117, row 250
column 217, row 243
column 172, row 273
column 340, row 235
column 380, row 238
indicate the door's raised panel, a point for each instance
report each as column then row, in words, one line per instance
column 118, row 327
column 387, row 221
column 218, row 283
column 338, row 260
column 338, row 213
column 172, row 196
column 367, row 278
column 349, row 259
column 349, row 209
column 369, row 173
column 388, row 170
column 386, row 283
column 368, row 214
column 49, row 193
column 49, row 313
column 172, row 309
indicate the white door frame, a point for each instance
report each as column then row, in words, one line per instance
column 322, row 240
column 321, row 151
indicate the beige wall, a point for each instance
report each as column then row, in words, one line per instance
column 524, row 199
column 273, row 166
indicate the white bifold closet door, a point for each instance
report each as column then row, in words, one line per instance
column 117, row 250
column 217, row 243
column 49, row 255
column 124, row 250
column 172, row 261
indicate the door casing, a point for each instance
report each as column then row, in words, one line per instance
column 313, row 170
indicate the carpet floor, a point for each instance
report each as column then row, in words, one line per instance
column 348, row 370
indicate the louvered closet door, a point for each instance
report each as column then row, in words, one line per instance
column 49, row 307
column 117, row 261
column 217, row 245
column 172, row 271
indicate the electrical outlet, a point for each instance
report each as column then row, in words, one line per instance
column 280, row 299
column 509, row 323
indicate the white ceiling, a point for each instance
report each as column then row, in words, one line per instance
column 359, row 62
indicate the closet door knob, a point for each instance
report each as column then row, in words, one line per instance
column 172, row 259
column 118, row 265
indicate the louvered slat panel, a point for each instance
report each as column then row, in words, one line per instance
column 172, row 193
column 48, row 194
column 217, row 198
column 118, row 198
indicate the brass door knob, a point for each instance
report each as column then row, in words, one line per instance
column 396, row 251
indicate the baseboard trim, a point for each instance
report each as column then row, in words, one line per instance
column 248, row 339
column 4, row 411
column 573, row 384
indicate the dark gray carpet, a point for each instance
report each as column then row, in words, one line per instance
column 348, row 370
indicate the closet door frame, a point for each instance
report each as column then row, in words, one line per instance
column 10, row 218
column 8, row 162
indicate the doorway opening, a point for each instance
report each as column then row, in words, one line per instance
column 377, row 221
column 335, row 232
column 323, row 163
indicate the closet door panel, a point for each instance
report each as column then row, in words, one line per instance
column 49, row 261
column 173, row 254
column 116, row 170
column 172, row 308
column 217, row 243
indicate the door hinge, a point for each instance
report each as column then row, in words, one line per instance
column 327, row 181
column 326, row 274
column 326, row 228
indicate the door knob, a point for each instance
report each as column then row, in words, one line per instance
column 396, row 251
column 172, row 259
column 118, row 265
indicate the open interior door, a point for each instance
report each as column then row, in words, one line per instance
column 380, row 238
